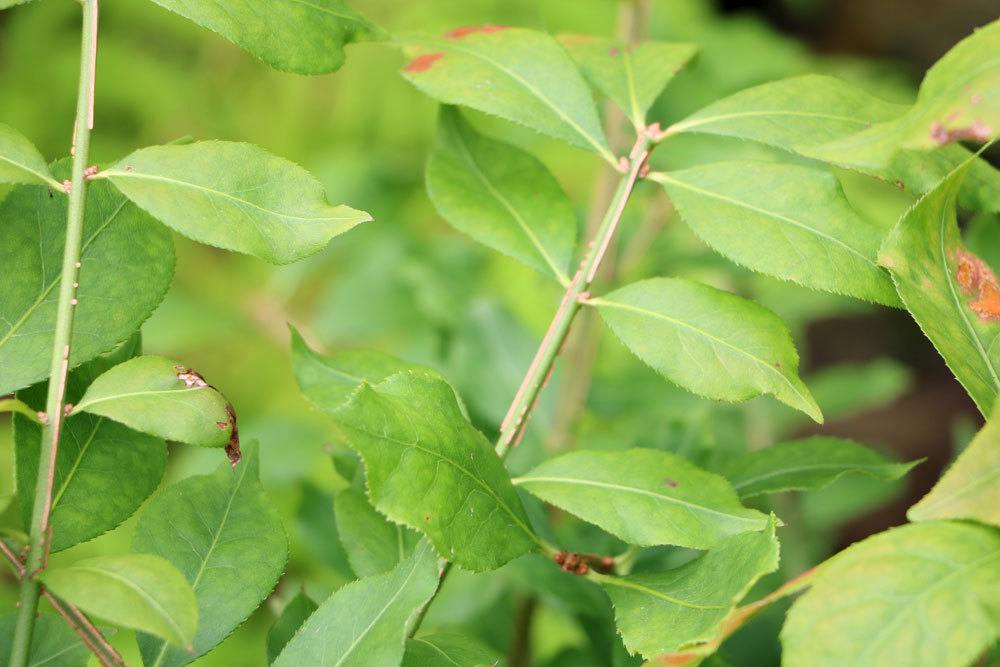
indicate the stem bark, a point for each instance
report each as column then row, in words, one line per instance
column 38, row 544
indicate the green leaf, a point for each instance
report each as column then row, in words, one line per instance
column 163, row 398
column 20, row 161
column 136, row 591
column 127, row 263
column 951, row 293
column 810, row 463
column 710, row 342
column 799, row 113
column 669, row 611
column 520, row 75
column 234, row 196
column 290, row 35
column 922, row 595
column 365, row 623
column 959, row 99
column 969, row 489
column 328, row 381
column 428, row 468
column 220, row 531
column 501, row 196
column 373, row 544
column 53, row 642
column 784, row 220
column 631, row 76
column 295, row 613
column 447, row 650
column 104, row 470
column 792, row 113
column 6, row 4
column 644, row 496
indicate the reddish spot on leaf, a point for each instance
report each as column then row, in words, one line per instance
column 613, row 52
column 672, row 483
column 976, row 278
column 977, row 131
column 459, row 33
column 424, row 62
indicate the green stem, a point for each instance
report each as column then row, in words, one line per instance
column 534, row 380
column 38, row 544
column 541, row 367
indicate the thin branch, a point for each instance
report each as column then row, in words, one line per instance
column 77, row 620
column 541, row 366
column 39, row 539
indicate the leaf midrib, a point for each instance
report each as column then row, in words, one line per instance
column 626, row 583
column 697, row 122
column 663, row 176
column 650, row 313
column 135, row 587
column 959, row 306
column 357, row 640
column 84, row 405
column 208, row 553
column 47, row 179
column 519, row 481
column 514, row 213
column 845, row 467
column 136, row 175
column 499, row 501
column 601, row 150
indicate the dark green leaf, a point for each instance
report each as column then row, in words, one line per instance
column 161, row 397
column 136, row 591
column 517, row 74
column 710, row 342
column 234, row 196
column 328, row 381
column 922, row 595
column 53, row 642
column 365, row 623
column 447, row 650
column 810, row 463
column 784, row 220
column 430, row 469
column 225, row 537
column 20, row 161
column 374, row 545
column 295, row 613
column 670, row 611
column 127, row 265
column 501, row 196
column 291, row 35
column 644, row 496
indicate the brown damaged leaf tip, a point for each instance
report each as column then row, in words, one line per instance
column 978, row 279
column 423, row 63
column 233, row 446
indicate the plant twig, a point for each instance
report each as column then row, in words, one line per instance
column 77, row 620
column 541, row 366
column 582, row 344
column 38, row 544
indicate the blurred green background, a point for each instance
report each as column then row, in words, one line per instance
column 409, row 285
